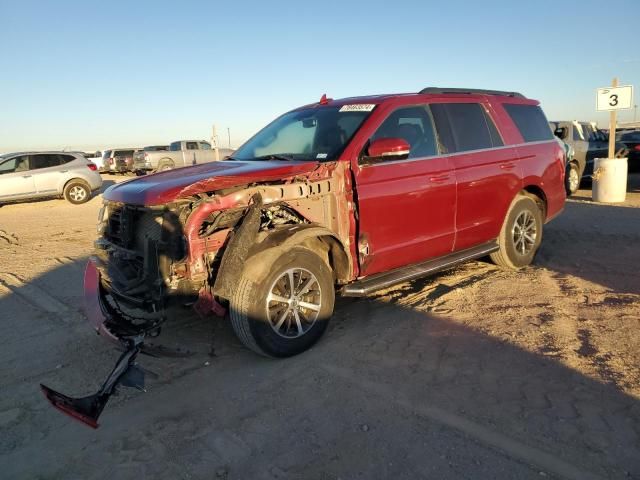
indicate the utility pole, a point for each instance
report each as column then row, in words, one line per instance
column 229, row 135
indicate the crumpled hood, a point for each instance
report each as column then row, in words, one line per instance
column 166, row 187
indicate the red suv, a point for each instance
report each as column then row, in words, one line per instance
column 346, row 196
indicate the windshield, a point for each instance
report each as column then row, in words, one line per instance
column 309, row 134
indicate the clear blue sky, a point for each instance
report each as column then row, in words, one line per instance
column 83, row 74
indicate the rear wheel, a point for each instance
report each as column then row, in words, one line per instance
column 285, row 309
column 521, row 234
column 165, row 166
column 572, row 178
column 77, row 192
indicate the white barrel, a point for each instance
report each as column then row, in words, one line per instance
column 609, row 180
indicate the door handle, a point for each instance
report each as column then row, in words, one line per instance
column 64, row 171
column 507, row 166
column 26, row 176
column 439, row 178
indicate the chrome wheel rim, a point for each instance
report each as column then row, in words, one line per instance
column 573, row 179
column 524, row 233
column 77, row 194
column 294, row 302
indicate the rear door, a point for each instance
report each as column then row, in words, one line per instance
column 49, row 171
column 406, row 207
column 487, row 171
column 16, row 181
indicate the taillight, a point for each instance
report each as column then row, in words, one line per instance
column 110, row 161
column 637, row 148
column 92, row 166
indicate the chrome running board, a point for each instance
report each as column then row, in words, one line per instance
column 367, row 285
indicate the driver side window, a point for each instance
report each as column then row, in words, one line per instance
column 16, row 164
column 414, row 125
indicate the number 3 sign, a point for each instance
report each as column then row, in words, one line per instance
column 614, row 98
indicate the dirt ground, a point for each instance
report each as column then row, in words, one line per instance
column 474, row 373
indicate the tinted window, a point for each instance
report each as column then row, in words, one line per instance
column 414, row 125
column 192, row 145
column 630, row 137
column 175, row 146
column 62, row 159
column 464, row 126
column 123, row 153
column 205, row 146
column 44, row 161
column 530, row 121
column 106, row 154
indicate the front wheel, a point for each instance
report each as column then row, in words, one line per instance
column 282, row 305
column 521, row 234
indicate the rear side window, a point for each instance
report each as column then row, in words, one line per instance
column 464, row 126
column 192, row 145
column 44, row 161
column 530, row 121
column 175, row 146
column 62, row 159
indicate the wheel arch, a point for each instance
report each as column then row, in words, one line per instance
column 538, row 195
column 316, row 238
column 74, row 179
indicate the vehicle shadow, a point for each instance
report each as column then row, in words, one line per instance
column 398, row 369
column 106, row 184
column 596, row 242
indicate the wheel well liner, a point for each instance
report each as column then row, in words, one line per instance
column 317, row 239
column 540, row 197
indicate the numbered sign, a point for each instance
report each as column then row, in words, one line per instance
column 614, row 98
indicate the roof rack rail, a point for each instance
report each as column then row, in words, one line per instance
column 470, row 91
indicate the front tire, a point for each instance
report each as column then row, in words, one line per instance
column 282, row 305
column 521, row 234
column 77, row 192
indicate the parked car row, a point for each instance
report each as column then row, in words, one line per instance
column 586, row 143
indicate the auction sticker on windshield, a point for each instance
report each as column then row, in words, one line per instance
column 358, row 107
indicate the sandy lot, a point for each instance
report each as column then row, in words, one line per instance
column 474, row 373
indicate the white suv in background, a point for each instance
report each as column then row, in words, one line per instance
column 27, row 175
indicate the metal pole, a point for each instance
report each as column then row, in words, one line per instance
column 229, row 135
column 612, row 126
column 635, row 111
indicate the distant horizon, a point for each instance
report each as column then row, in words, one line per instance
column 99, row 76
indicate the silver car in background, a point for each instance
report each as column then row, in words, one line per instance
column 27, row 175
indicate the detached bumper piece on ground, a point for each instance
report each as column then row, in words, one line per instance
column 88, row 409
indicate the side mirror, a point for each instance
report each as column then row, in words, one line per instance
column 560, row 132
column 388, row 149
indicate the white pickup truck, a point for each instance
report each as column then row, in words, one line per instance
column 182, row 153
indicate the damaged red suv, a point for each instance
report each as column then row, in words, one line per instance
column 341, row 196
